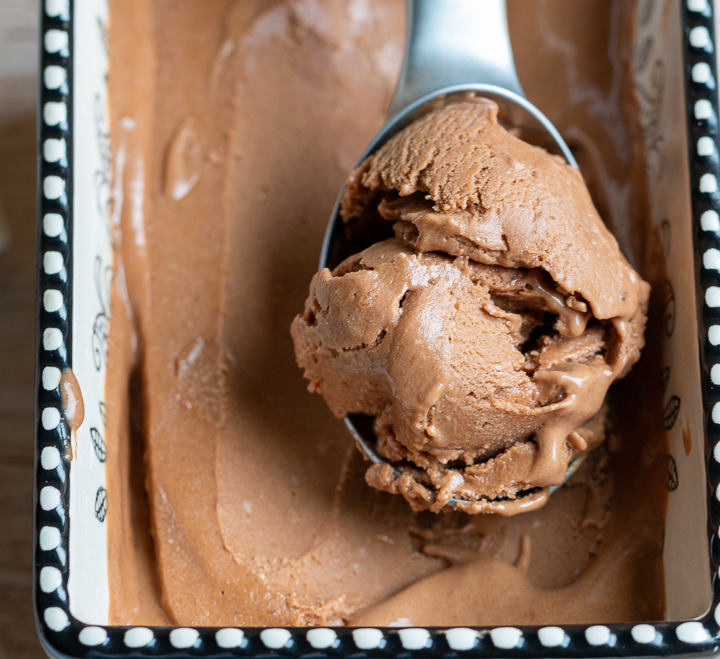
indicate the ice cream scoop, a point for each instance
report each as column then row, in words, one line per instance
column 455, row 50
column 483, row 337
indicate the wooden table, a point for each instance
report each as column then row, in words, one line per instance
column 18, row 97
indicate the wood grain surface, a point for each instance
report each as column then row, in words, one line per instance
column 18, row 97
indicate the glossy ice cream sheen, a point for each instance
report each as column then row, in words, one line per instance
column 483, row 338
column 234, row 126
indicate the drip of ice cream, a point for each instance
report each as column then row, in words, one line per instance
column 483, row 337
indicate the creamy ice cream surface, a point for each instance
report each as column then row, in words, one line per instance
column 235, row 497
column 483, row 338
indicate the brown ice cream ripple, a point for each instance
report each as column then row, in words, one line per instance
column 484, row 337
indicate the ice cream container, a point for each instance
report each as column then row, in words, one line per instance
column 675, row 76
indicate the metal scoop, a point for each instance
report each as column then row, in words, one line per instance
column 453, row 47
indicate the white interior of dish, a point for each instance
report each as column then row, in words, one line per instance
column 662, row 100
column 661, row 96
column 88, row 591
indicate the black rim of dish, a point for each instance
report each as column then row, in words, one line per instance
column 63, row 635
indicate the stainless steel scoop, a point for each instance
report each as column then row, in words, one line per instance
column 453, row 47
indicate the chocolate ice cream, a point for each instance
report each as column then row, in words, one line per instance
column 234, row 496
column 483, row 337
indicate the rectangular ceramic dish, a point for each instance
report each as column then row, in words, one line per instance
column 675, row 73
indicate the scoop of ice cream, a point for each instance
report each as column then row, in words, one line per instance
column 484, row 336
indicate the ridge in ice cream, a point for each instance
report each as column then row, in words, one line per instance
column 483, row 337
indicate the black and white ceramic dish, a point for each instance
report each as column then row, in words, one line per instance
column 675, row 71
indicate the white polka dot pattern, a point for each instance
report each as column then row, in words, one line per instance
column 692, row 632
column 138, row 637
column 55, row 618
column 56, row 41
column 50, row 458
column 51, row 378
column 321, row 638
column 52, row 339
column 708, row 183
column 183, row 637
column 700, row 37
column 55, row 113
column 714, row 334
column 54, row 134
column 49, row 498
column 230, row 638
column 715, row 374
column 705, row 147
column 49, row 538
column 92, row 636
column 703, row 109
column 551, row 637
column 701, row 73
column 414, row 638
column 505, row 638
column 57, row 8
column 368, row 639
column 598, row 635
column 643, row 634
column 52, row 300
column 710, row 220
column 716, row 415
column 53, row 187
column 54, row 149
column 711, row 259
column 50, row 579
column 53, row 225
column 275, row 638
column 54, row 76
column 461, row 638
column 53, row 263
column 712, row 296
column 50, row 418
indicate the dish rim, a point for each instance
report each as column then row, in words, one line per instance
column 62, row 635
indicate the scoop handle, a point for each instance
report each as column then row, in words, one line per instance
column 452, row 42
